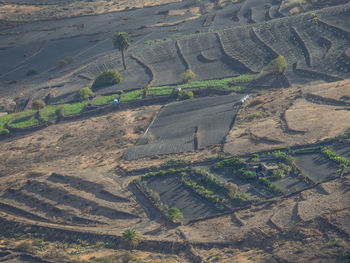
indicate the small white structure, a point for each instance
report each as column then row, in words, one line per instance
column 242, row 100
column 176, row 90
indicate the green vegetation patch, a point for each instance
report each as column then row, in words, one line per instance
column 25, row 119
column 160, row 91
column 75, row 108
column 331, row 155
column 48, row 113
column 4, row 119
column 107, row 78
column 225, row 83
column 104, row 100
column 234, row 162
column 132, row 95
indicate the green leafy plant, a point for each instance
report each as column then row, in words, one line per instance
column 174, row 214
column 131, row 239
column 187, row 76
column 255, row 158
column 107, row 78
column 277, row 65
column 38, row 104
column 85, row 93
column 246, row 174
column 185, row 94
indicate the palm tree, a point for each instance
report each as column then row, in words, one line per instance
column 121, row 41
column 130, row 238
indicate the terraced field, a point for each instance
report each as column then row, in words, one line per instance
column 313, row 50
column 175, row 127
column 263, row 177
column 67, row 199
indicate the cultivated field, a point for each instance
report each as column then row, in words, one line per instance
column 244, row 164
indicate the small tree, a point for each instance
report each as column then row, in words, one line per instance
column 175, row 214
column 31, row 72
column 146, row 90
column 187, row 76
column 106, row 78
column 38, row 104
column 189, row 3
column 277, row 65
column 185, row 94
column 131, row 239
column 121, row 41
column 85, row 93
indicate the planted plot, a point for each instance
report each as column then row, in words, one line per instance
column 76, row 108
column 174, row 193
column 176, row 126
column 342, row 149
column 271, row 175
column 317, row 167
column 194, row 192
column 53, row 193
column 24, row 119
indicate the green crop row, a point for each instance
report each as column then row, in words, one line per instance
column 165, row 172
column 234, row 162
column 212, row 182
column 330, row 154
column 205, row 193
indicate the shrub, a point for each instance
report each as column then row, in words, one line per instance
column 187, row 76
column 265, row 182
column 24, row 247
column 31, row 72
column 191, row 2
column 4, row 132
column 277, row 65
column 85, row 93
column 174, row 162
column 234, row 162
column 185, row 94
column 64, row 62
column 107, row 78
column 38, row 104
column 146, row 90
column 255, row 158
column 275, row 189
column 255, row 115
column 131, row 238
column 282, row 156
column 256, row 101
column 154, row 195
column 60, row 111
column 246, row 174
column 174, row 214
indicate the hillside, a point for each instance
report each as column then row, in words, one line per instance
column 232, row 162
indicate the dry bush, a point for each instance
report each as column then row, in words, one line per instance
column 256, row 101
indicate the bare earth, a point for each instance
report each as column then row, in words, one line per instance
column 33, row 12
column 290, row 118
